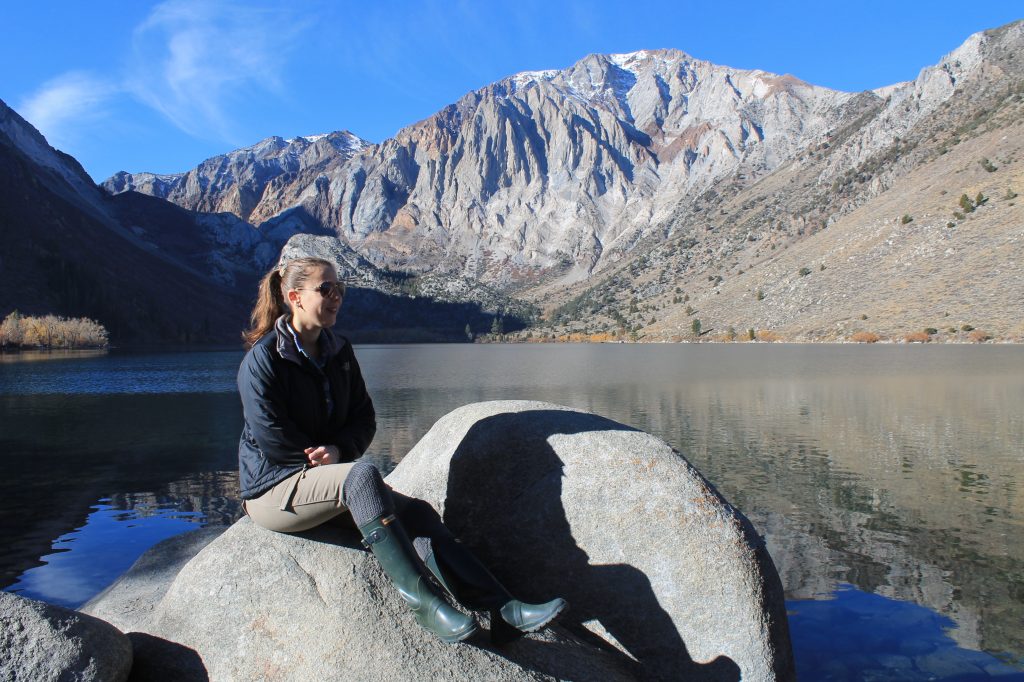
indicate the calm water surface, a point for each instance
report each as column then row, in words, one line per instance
column 886, row 479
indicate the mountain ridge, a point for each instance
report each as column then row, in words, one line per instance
column 68, row 248
column 620, row 100
column 547, row 185
column 154, row 272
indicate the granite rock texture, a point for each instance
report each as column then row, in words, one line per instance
column 129, row 602
column 254, row 604
column 651, row 557
column 41, row 643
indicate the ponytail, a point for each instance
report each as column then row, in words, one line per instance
column 270, row 302
column 270, row 305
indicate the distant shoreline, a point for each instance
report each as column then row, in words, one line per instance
column 10, row 354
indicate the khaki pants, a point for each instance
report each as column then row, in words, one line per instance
column 301, row 501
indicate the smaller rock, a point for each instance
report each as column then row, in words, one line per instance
column 129, row 602
column 39, row 641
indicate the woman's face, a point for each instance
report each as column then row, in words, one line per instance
column 309, row 307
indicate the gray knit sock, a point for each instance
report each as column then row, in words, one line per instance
column 365, row 494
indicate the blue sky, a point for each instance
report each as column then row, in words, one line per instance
column 160, row 86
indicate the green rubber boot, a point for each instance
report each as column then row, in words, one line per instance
column 387, row 540
column 475, row 587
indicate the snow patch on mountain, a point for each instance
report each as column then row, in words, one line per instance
column 524, row 79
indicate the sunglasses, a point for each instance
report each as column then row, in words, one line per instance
column 327, row 289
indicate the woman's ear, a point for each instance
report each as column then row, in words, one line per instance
column 293, row 297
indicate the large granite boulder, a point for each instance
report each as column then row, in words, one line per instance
column 40, row 642
column 664, row 578
column 259, row 605
column 649, row 554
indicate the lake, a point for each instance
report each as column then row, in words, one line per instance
column 886, row 479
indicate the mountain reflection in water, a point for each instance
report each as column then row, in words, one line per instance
column 892, row 469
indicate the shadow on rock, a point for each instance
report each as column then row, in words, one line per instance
column 339, row 531
column 160, row 660
column 557, row 652
column 510, row 511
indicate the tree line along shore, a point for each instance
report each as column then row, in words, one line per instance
column 19, row 331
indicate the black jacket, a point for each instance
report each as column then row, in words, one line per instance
column 286, row 410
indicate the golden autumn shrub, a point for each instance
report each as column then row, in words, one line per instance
column 978, row 336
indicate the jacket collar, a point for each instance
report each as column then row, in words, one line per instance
column 332, row 343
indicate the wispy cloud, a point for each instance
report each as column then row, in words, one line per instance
column 196, row 61
column 64, row 107
column 199, row 63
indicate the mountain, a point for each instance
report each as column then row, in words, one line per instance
column 137, row 264
column 152, row 271
column 482, row 188
column 236, row 182
column 622, row 191
column 864, row 232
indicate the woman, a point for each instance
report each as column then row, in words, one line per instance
column 308, row 418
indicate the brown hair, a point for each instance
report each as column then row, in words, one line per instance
column 270, row 300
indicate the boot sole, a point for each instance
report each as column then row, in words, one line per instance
column 540, row 625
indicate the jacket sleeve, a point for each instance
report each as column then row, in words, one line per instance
column 360, row 424
column 266, row 412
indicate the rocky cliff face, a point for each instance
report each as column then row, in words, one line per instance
column 551, row 184
column 541, row 170
column 236, row 182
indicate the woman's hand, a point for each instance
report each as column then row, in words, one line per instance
column 323, row 454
